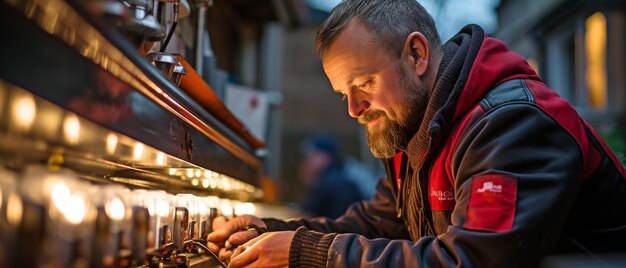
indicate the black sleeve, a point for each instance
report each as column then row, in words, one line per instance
column 372, row 218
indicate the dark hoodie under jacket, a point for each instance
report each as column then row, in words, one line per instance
column 501, row 173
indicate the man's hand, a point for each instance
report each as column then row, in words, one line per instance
column 267, row 250
column 227, row 235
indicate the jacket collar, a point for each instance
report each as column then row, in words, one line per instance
column 471, row 65
column 456, row 62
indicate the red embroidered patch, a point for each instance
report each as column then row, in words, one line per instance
column 491, row 205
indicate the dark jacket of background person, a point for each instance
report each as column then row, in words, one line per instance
column 330, row 191
column 493, row 133
column 331, row 194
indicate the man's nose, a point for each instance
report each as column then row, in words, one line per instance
column 357, row 105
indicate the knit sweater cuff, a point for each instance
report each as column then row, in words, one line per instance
column 280, row 225
column 309, row 248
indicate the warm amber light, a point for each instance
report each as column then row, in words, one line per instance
column 138, row 151
column 60, row 193
column 115, row 209
column 71, row 129
column 188, row 201
column 15, row 209
column 75, row 210
column 212, row 201
column 71, row 206
column 23, row 111
column 160, row 160
column 203, row 209
column 246, row 208
column 225, row 183
column 595, row 53
column 226, row 207
column 162, row 207
column 157, row 203
column 111, row 143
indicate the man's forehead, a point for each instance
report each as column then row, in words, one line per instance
column 345, row 54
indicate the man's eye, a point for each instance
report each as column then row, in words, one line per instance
column 365, row 85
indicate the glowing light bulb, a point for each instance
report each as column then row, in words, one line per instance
column 111, row 143
column 203, row 209
column 71, row 129
column 138, row 151
column 226, row 207
column 226, row 184
column 192, row 206
column 194, row 182
column 188, row 201
column 60, row 195
column 75, row 209
column 246, row 208
column 162, row 207
column 23, row 111
column 15, row 209
column 72, row 206
column 160, row 160
column 115, row 209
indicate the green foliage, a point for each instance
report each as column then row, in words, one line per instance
column 616, row 140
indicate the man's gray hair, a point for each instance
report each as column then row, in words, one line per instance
column 389, row 22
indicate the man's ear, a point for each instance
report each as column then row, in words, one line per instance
column 417, row 50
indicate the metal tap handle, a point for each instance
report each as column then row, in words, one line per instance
column 139, row 234
column 181, row 222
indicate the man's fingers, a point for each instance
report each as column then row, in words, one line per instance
column 225, row 255
column 213, row 247
column 243, row 256
column 221, row 229
column 239, row 238
column 218, row 222
column 248, row 246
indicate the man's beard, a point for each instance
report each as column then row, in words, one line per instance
column 388, row 137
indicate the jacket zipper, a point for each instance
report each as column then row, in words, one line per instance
column 404, row 170
column 425, row 210
column 423, row 203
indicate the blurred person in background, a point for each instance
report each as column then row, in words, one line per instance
column 322, row 170
column 486, row 166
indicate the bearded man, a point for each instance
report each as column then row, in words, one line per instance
column 486, row 166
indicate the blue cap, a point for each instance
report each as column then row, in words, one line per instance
column 321, row 142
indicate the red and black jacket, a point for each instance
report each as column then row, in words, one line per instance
column 502, row 172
